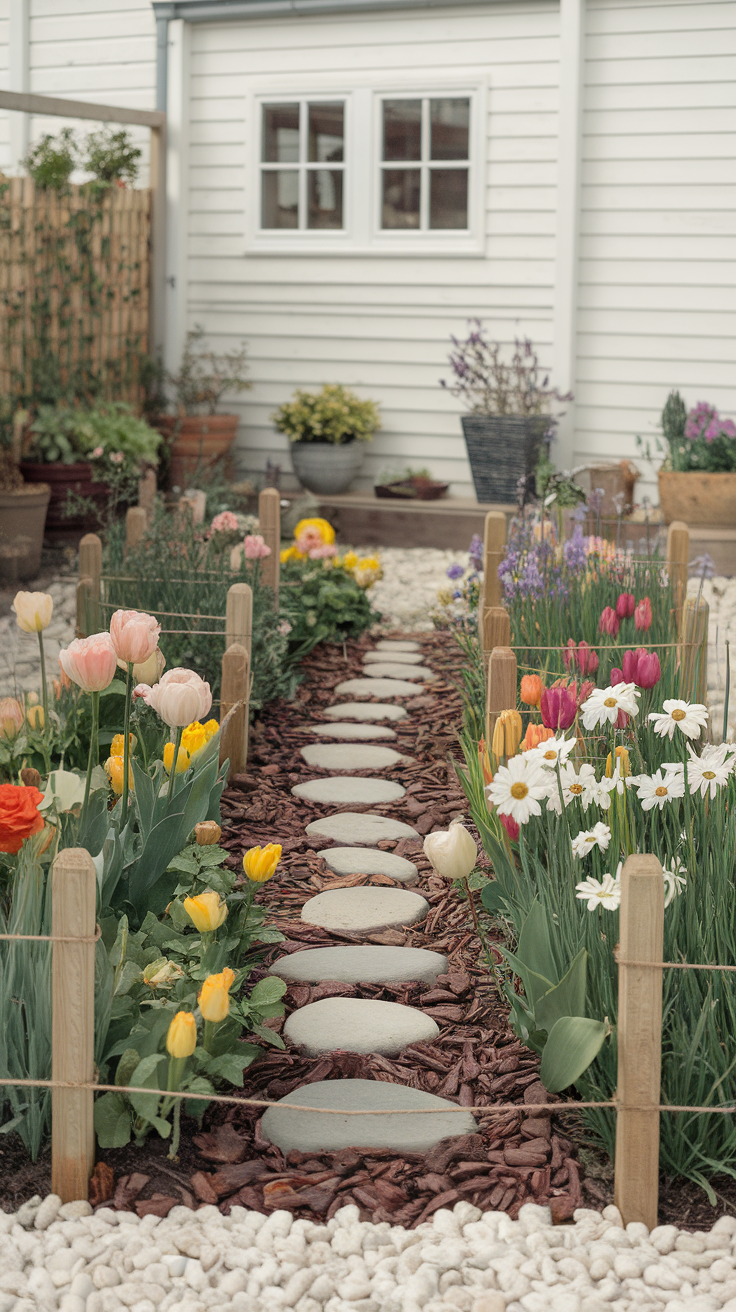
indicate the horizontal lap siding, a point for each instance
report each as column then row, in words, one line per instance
column 657, row 266
column 381, row 325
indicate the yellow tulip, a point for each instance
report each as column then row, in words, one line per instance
column 182, row 760
column 114, row 767
column 117, row 746
column 33, row 611
column 206, row 911
column 259, row 863
column 207, row 833
column 622, row 761
column 161, row 973
column 35, row 717
column 214, row 996
column 507, row 734
column 181, row 1039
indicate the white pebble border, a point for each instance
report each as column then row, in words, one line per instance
column 68, row 1258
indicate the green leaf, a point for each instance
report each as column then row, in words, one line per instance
column 197, row 1085
column 230, row 1065
column 535, row 986
column 127, row 1064
column 493, row 899
column 126, row 978
column 567, row 998
column 573, row 1043
column 147, row 1072
column 268, row 1035
column 112, row 1120
column 270, row 989
column 534, row 947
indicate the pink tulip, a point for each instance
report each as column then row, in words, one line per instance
column 226, row 522
column 586, row 658
column 569, row 653
column 134, row 635
column 642, row 668
column 643, row 615
column 559, row 707
column 625, row 605
column 180, row 697
column 90, row 662
column 11, row 717
column 586, row 689
column 608, row 622
column 616, row 676
column 255, row 547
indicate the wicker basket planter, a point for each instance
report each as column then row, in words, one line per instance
column 327, row 468
column 63, row 480
column 698, row 498
column 501, row 450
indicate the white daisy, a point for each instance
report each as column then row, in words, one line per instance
column 656, row 789
column 615, row 783
column 689, row 717
column 604, row 704
column 707, row 773
column 606, row 894
column 517, row 789
column 548, row 754
column 584, row 842
column 674, row 880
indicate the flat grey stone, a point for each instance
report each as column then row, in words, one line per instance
column 398, row 644
column 396, row 657
column 392, row 671
column 359, row 910
column 359, row 828
column 342, row 790
column 361, row 964
column 358, row 1025
column 363, row 712
column 312, row 1132
column 350, row 756
column 352, row 732
column 375, row 687
column 370, row 861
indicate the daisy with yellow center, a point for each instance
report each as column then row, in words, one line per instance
column 659, row 788
column 603, row 705
column 518, row 788
column 689, row 717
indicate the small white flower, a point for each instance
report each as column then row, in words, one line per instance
column 584, row 842
column 517, row 789
column 606, row 894
column 616, row 783
column 581, row 784
column 689, row 717
column 548, row 754
column 604, row 704
column 659, row 788
column 674, row 880
column 707, row 773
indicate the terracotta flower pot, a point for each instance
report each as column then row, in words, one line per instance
column 63, row 480
column 22, row 520
column 698, row 498
column 195, row 441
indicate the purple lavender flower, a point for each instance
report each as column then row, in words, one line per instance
column 703, row 567
column 454, row 571
column 574, row 553
column 475, row 552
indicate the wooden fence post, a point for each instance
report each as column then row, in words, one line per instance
column 678, row 555
column 239, row 616
column 147, row 493
column 269, row 523
column 496, row 632
column 694, row 649
column 639, row 1037
column 235, row 691
column 494, row 542
column 73, row 893
column 136, row 523
column 88, row 589
column 501, row 687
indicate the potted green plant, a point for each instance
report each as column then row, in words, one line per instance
column 327, row 430
column 509, row 421
column 22, row 506
column 195, row 433
column 697, row 479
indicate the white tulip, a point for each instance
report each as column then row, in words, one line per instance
column 452, row 851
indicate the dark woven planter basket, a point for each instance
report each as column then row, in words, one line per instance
column 501, row 450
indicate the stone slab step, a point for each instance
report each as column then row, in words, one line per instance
column 343, row 790
column 350, row 756
column 312, row 1132
column 366, row 713
column 361, row 910
column 361, row 964
column 358, row 1025
column 360, row 828
column 398, row 644
column 375, row 687
column 370, row 861
column 395, row 657
column 352, row 732
column 389, row 670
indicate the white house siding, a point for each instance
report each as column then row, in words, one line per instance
column 380, row 325
column 657, row 267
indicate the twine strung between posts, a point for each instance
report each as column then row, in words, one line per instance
column 669, row 965
column 54, row 938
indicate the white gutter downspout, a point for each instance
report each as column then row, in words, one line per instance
column 569, row 139
column 19, row 77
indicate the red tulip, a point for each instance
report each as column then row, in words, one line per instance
column 643, row 615
column 569, row 653
column 608, row 622
column 642, row 668
column 616, row 676
column 559, row 708
column 511, row 827
column 587, row 659
column 625, row 605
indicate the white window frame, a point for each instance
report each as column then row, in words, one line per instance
column 424, row 166
column 362, row 186
column 303, row 166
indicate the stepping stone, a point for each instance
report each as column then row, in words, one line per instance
column 352, row 732
column 398, row 644
column 375, row 687
column 360, row 910
column 370, row 861
column 396, row 657
column 391, row 671
column 360, row 828
column 315, row 1133
column 358, row 1025
column 344, row 791
column 350, row 756
column 369, row 964
column 360, row 711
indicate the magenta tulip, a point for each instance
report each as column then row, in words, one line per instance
column 616, row 676
column 559, row 708
column 608, row 622
column 625, row 605
column 642, row 668
column 643, row 615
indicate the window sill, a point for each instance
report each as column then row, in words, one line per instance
column 470, row 248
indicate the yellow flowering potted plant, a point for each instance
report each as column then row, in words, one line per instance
column 327, row 431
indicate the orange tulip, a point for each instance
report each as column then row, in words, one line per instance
column 485, row 762
column 535, row 734
column 531, row 689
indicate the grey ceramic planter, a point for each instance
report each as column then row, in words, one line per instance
column 325, row 468
column 501, row 450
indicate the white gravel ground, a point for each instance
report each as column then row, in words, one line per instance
column 460, row 1261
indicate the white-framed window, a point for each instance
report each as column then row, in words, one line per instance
column 424, row 163
column 302, row 165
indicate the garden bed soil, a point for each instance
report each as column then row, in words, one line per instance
column 477, row 1061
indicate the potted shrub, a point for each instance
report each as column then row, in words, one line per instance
column 22, row 507
column 697, row 480
column 410, row 485
column 327, row 431
column 196, row 435
column 509, row 420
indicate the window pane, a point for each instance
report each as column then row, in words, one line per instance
column 450, row 125
column 280, row 198
column 402, row 129
column 325, row 134
column 400, row 207
column 324, row 198
column 280, row 134
column 448, row 198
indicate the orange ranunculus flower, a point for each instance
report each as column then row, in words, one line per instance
column 531, row 689
column 535, row 734
column 19, row 815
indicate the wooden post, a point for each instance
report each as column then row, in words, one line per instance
column 496, row 633
column 694, row 649
column 269, row 523
column 90, row 571
column 239, row 616
column 501, row 687
column 147, row 493
column 494, row 542
column 639, row 1038
column 678, row 555
column 235, row 691
column 73, row 892
column 136, row 523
